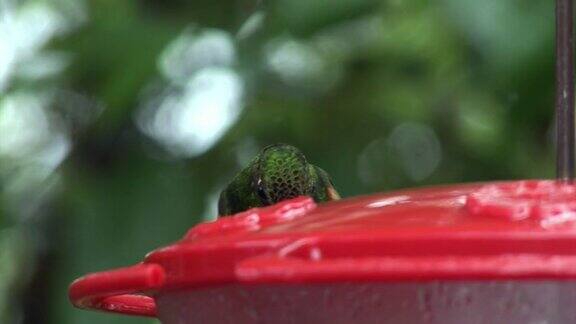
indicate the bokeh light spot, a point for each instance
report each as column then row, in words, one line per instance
column 191, row 122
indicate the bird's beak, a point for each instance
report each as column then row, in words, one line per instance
column 332, row 193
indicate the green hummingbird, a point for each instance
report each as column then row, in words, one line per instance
column 278, row 172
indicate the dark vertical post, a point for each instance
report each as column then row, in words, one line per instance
column 565, row 131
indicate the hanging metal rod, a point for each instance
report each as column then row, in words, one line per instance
column 565, row 130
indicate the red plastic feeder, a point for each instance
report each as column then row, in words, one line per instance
column 478, row 253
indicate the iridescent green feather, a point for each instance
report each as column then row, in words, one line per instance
column 277, row 173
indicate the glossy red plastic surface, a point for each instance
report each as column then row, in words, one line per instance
column 119, row 290
column 549, row 202
column 448, row 233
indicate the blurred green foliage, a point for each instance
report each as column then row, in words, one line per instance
column 120, row 121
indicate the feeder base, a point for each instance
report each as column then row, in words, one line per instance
column 435, row 302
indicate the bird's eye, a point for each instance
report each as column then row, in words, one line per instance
column 260, row 191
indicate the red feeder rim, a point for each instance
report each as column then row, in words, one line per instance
column 499, row 231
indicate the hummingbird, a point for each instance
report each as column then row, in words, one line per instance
column 278, row 172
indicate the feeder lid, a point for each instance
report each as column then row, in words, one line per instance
column 497, row 231
column 501, row 230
